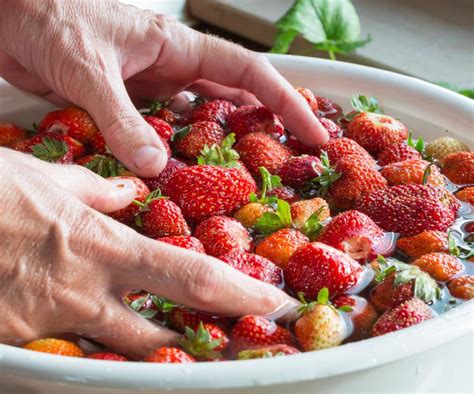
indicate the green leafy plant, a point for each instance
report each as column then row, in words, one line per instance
column 330, row 25
column 464, row 91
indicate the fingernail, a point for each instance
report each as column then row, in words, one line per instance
column 147, row 157
column 125, row 187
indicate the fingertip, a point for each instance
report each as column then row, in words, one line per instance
column 148, row 160
column 119, row 193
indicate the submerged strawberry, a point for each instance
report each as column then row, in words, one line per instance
column 459, row 167
column 462, row 287
column 316, row 265
column 328, row 109
column 466, row 194
column 441, row 266
column 181, row 317
column 439, row 148
column 410, row 209
column 407, row 314
column 252, row 119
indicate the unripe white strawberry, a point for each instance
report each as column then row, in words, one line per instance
column 441, row 147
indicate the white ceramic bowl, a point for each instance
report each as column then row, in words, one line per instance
column 428, row 110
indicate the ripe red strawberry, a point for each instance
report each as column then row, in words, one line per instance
column 221, row 235
column 160, row 217
column 72, row 121
column 410, row 209
column 162, row 128
column 409, row 313
column 357, row 179
column 218, row 186
column 459, row 167
column 299, row 169
column 98, row 144
column 253, row 332
column 191, row 140
column 426, row 242
column 267, row 351
column 253, row 119
column 181, row 317
column 340, row 147
column 51, row 147
column 397, row 152
column 354, row 233
column 206, row 341
column 399, row 282
column 213, row 111
column 105, row 166
column 462, row 287
column 466, row 194
column 328, row 109
column 317, row 265
column 160, row 181
column 332, row 128
column 10, row 132
column 160, row 110
column 107, row 357
column 284, row 193
column 412, row 171
column 260, row 150
column 310, row 98
column 169, row 355
column 257, row 267
column 362, row 315
column 321, row 326
column 185, row 242
column 375, row 131
column 128, row 213
column 280, row 246
column 441, row 266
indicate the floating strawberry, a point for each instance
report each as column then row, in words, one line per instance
column 412, row 171
column 354, row 233
column 267, row 351
column 398, row 152
column 256, row 266
column 205, row 341
column 316, row 265
column 218, row 186
column 213, row 111
column 128, row 213
column 407, row 314
column 221, row 235
column 253, row 332
column 423, row 243
column 300, row 169
column 260, row 150
column 440, row 266
column 399, row 282
column 160, row 181
column 462, row 287
column 191, row 140
column 107, row 357
column 162, row 128
column 73, row 121
column 361, row 313
column 185, row 242
column 280, row 246
column 55, row 346
column 252, row 119
column 375, row 131
column 439, row 148
column 160, row 217
column 321, row 326
column 459, row 167
column 169, row 355
column 10, row 133
column 466, row 194
column 310, row 98
column 410, row 209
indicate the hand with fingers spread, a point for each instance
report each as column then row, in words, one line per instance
column 82, row 52
column 65, row 267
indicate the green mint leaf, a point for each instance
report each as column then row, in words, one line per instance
column 331, row 25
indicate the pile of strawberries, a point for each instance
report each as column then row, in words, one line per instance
column 358, row 229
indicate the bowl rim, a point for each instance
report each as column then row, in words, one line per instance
column 300, row 367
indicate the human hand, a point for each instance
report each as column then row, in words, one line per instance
column 65, row 267
column 81, row 52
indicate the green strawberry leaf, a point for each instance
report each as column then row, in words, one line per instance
column 270, row 222
column 222, row 155
column 181, row 133
column 363, row 103
column 331, row 25
column 313, row 226
column 323, row 296
column 346, row 308
column 50, row 150
column 137, row 304
column 163, row 304
column 269, row 182
column 426, row 174
column 452, row 246
column 105, row 166
column 323, row 182
column 199, row 343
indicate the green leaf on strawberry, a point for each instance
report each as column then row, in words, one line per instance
column 313, row 226
column 181, row 133
column 363, row 103
column 331, row 25
column 105, row 166
column 269, row 182
column 419, row 145
column 162, row 304
column 50, row 149
column 323, row 182
column 270, row 222
column 222, row 155
column 200, row 344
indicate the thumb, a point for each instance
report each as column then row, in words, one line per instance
column 104, row 195
column 130, row 138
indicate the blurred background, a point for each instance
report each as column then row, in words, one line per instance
column 428, row 39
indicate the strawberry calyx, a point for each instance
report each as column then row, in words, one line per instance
column 419, row 145
column 321, row 299
column 106, row 166
column 142, row 305
column 424, row 286
column 181, row 133
column 320, row 185
column 462, row 251
column 313, row 226
column 269, row 182
column 145, row 205
column 200, row 344
column 156, row 105
column 270, row 222
column 222, row 155
column 361, row 103
column 50, row 149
